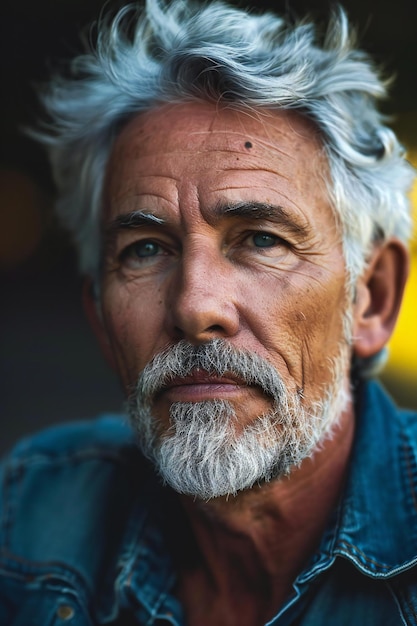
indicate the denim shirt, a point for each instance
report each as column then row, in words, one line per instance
column 88, row 535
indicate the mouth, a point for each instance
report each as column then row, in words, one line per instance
column 201, row 385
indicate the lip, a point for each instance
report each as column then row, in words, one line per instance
column 200, row 385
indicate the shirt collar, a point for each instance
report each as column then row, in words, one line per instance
column 377, row 517
column 375, row 525
column 145, row 576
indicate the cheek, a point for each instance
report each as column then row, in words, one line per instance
column 134, row 329
column 299, row 321
column 322, row 335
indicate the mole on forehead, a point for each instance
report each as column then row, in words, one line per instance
column 208, row 117
column 228, row 142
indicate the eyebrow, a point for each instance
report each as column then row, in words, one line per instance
column 248, row 209
column 133, row 219
column 263, row 211
column 126, row 221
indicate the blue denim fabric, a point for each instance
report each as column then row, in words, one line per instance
column 89, row 536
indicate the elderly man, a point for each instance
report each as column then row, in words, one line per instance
column 240, row 213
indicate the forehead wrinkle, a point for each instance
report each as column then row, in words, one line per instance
column 235, row 141
column 192, row 150
column 273, row 145
column 234, row 145
column 250, row 167
column 139, row 177
column 131, row 197
column 271, row 141
column 263, row 119
column 237, row 148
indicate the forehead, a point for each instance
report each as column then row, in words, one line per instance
column 199, row 124
column 236, row 152
column 194, row 118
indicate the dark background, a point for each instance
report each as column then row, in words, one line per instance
column 50, row 367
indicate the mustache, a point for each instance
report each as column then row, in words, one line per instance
column 216, row 357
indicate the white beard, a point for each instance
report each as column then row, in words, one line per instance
column 201, row 453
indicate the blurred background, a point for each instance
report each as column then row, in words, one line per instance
column 50, row 367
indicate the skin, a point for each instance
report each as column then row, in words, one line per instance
column 269, row 281
column 209, row 279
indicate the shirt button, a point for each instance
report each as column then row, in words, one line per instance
column 65, row 612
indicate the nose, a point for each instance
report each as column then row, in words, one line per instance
column 202, row 300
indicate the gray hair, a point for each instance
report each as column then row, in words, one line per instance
column 181, row 52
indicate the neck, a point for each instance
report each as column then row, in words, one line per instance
column 252, row 546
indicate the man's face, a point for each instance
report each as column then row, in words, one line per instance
column 218, row 225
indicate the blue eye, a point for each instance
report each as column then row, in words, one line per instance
column 143, row 249
column 264, row 240
column 141, row 253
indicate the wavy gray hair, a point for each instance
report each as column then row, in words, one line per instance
column 182, row 52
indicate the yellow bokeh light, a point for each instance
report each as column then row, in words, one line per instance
column 403, row 344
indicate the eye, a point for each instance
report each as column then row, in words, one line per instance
column 143, row 249
column 141, row 253
column 265, row 240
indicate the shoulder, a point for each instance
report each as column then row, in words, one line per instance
column 375, row 401
column 392, row 429
column 57, row 455
column 107, row 432
column 72, row 502
column 59, row 485
column 60, row 452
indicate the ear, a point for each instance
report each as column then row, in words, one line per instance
column 92, row 310
column 378, row 297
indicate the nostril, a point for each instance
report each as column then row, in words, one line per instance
column 215, row 328
column 198, row 316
